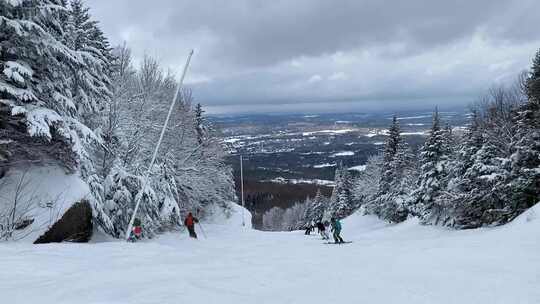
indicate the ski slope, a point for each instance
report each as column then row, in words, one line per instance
column 405, row 263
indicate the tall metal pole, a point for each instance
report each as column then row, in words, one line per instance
column 242, row 189
column 145, row 179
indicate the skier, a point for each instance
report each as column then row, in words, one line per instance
column 190, row 224
column 136, row 231
column 336, row 229
column 322, row 231
column 308, row 229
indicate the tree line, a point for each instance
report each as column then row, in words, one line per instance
column 485, row 174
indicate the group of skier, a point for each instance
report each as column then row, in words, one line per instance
column 322, row 227
column 189, row 222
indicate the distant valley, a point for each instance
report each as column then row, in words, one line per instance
column 288, row 157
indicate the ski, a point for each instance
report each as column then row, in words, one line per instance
column 333, row 243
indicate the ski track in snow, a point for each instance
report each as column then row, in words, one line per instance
column 404, row 263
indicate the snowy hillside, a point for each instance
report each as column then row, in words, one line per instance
column 404, row 263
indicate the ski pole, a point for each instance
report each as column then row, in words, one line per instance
column 202, row 230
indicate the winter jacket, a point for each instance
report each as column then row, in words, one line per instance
column 190, row 220
column 137, row 230
column 336, row 226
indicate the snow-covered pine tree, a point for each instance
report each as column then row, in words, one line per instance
column 460, row 191
column 525, row 160
column 37, row 93
column 366, row 186
column 396, row 176
column 434, row 160
column 317, row 207
column 484, row 197
column 393, row 141
column 341, row 202
column 470, row 143
column 90, row 82
column 480, row 190
column 34, row 88
column 91, row 90
column 532, row 85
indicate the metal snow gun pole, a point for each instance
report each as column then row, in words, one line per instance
column 145, row 179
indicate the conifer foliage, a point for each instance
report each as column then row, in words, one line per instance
column 341, row 202
column 435, row 159
column 486, row 175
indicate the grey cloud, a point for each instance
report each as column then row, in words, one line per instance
column 267, row 32
column 393, row 49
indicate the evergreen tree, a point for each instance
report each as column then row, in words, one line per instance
column 90, row 81
column 317, row 207
column 434, row 161
column 395, row 178
column 366, row 186
column 525, row 184
column 533, row 82
column 471, row 142
column 485, row 194
column 391, row 147
column 34, row 83
column 341, row 202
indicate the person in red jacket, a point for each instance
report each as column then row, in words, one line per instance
column 190, row 224
column 136, row 231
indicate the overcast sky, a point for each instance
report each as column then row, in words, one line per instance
column 331, row 55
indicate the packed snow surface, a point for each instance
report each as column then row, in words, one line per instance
column 404, row 263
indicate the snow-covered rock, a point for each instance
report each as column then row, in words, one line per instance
column 43, row 194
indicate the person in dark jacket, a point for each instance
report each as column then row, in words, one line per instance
column 322, row 230
column 308, row 229
column 190, row 224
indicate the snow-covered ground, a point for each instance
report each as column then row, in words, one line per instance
column 405, row 263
